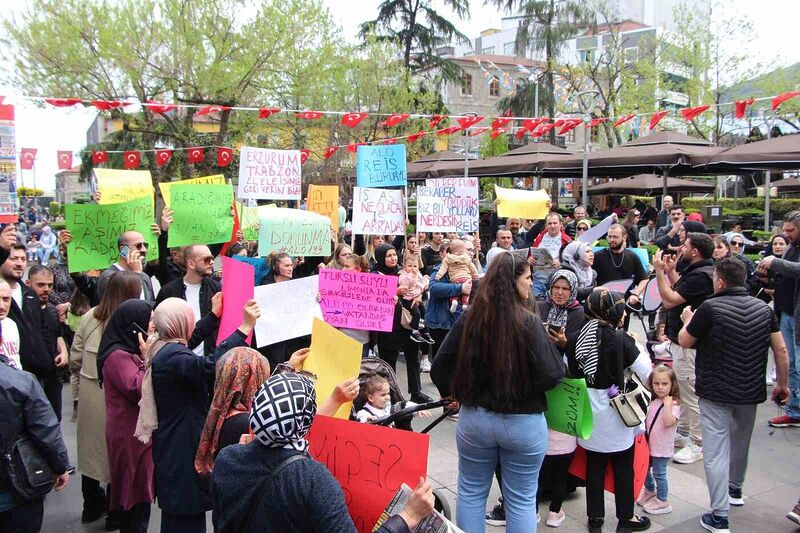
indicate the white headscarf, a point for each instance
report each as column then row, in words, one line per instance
column 574, row 256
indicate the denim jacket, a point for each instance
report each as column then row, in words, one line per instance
column 437, row 313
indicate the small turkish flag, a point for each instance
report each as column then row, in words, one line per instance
column 740, row 106
column 500, row 122
column 543, row 129
column 623, row 119
column 63, row 102
column 163, row 156
column 266, row 112
column 131, row 159
column 781, row 98
column 435, row 120
column 497, row 132
column 569, row 125
column 354, row 147
column 466, row 122
column 479, row 131
column 656, row 118
column 64, row 159
column 158, row 107
column 394, row 119
column 414, row 137
column 691, row 112
column 224, row 156
column 329, row 151
column 351, row 120
column 106, row 105
column 448, row 131
column 304, row 153
column 309, row 115
column 597, row 121
column 390, row 141
column 195, row 155
column 26, row 158
column 212, row 109
column 99, row 157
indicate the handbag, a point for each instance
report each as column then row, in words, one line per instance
column 28, row 471
column 633, row 398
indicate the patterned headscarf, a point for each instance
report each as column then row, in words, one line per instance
column 283, row 411
column 557, row 316
column 240, row 374
column 605, row 308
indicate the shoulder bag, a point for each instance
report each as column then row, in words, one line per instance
column 633, row 398
column 246, row 526
column 28, row 471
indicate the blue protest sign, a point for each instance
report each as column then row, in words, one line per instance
column 381, row 166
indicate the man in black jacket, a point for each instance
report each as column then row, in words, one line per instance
column 197, row 287
column 732, row 333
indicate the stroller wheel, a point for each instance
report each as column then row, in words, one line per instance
column 441, row 504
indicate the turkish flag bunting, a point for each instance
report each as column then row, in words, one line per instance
column 266, row 112
column 691, row 112
column 543, row 129
column 466, row 122
column 163, row 156
column 99, row 157
column 63, row 102
column 497, row 132
column 304, row 153
column 329, row 151
column 597, row 121
column 309, row 115
column 414, row 137
column 500, row 122
column 131, row 159
column 26, row 158
column 740, row 106
column 351, row 120
column 781, row 98
column 569, row 125
column 106, row 105
column 390, row 141
column 64, row 159
column 394, row 119
column 224, row 156
column 353, row 148
column 212, row 109
column 479, row 131
column 158, row 107
column 530, row 124
column 449, row 131
column 195, row 155
column 622, row 120
column 435, row 120
column 656, row 118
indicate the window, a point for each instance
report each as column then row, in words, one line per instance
column 466, row 84
column 508, row 49
column 494, row 86
column 489, row 50
column 585, row 56
column 631, row 55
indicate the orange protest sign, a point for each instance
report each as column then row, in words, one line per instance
column 324, row 199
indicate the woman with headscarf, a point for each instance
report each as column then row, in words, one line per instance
column 120, row 362
column 560, row 311
column 737, row 243
column 579, row 257
column 49, row 243
column 273, row 485
column 174, row 406
column 594, row 355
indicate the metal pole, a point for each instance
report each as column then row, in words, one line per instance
column 536, row 99
column 585, row 176
column 767, row 185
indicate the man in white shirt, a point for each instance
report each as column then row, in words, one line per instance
column 504, row 241
column 10, row 333
column 552, row 239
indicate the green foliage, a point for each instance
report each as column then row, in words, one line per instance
column 761, row 235
column 29, row 192
column 55, row 208
column 494, row 147
column 778, row 206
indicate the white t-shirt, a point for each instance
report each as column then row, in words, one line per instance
column 193, row 299
column 10, row 345
column 16, row 294
column 551, row 244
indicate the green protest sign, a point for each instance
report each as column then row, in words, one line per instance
column 293, row 231
column 203, row 214
column 248, row 220
column 96, row 228
column 568, row 408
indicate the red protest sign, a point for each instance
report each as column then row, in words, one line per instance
column 641, row 462
column 369, row 462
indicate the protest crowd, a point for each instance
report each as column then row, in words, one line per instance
column 186, row 345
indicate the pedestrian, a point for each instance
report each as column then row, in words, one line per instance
column 631, row 225
column 458, row 266
column 340, row 254
column 618, row 263
column 578, row 257
column 438, row 317
column 578, row 214
column 552, row 239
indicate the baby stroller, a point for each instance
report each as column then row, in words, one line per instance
column 401, row 413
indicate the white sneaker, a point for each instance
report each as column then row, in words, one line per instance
column 681, row 441
column 556, row 519
column 425, row 364
column 691, row 453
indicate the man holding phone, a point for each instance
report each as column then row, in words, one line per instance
column 133, row 257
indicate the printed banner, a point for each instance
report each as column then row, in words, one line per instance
column 117, row 186
column 203, row 214
column 461, row 197
column 357, row 300
column 289, row 310
column 293, row 231
column 521, row 203
column 238, row 285
column 96, row 228
column 324, row 199
column 378, row 212
column 432, row 212
column 381, row 166
column 568, row 408
column 266, row 173
column 166, row 186
column 9, row 203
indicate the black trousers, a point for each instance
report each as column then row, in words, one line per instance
column 24, row 518
column 622, row 465
column 415, row 310
column 553, row 478
column 438, row 336
column 136, row 519
column 52, row 389
column 178, row 523
column 411, row 351
column 94, row 496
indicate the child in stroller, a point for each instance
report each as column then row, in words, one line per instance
column 379, row 400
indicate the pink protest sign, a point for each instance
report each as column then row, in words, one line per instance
column 238, row 284
column 357, row 300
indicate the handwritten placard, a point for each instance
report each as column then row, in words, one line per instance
column 432, row 212
column 202, row 214
column 117, row 186
column 461, row 199
column 521, row 203
column 96, row 228
column 568, row 408
column 238, row 285
column 369, row 462
column 378, row 212
column 357, row 300
column 166, row 186
column 291, row 307
column 324, row 199
column 293, row 231
column 265, row 173
column 381, row 166
column 641, row 462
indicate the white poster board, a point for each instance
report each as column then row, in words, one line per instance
column 378, row 211
column 461, row 199
column 287, row 310
column 432, row 212
column 269, row 174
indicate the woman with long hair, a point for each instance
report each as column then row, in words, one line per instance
column 340, row 255
column 631, row 225
column 497, row 363
column 722, row 248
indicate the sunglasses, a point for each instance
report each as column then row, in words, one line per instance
column 206, row 260
column 582, row 229
column 737, row 243
column 139, row 245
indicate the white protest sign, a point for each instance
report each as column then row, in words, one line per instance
column 288, row 309
column 461, row 199
column 597, row 232
column 378, row 211
column 432, row 213
column 269, row 174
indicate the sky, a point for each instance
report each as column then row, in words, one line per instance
column 775, row 23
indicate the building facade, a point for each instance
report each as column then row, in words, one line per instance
column 68, row 186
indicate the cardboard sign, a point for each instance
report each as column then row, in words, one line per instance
column 378, row 212
column 166, row 186
column 96, row 228
column 369, row 462
column 289, row 310
column 265, row 173
column 381, row 166
column 202, row 214
column 461, row 199
column 522, row 204
column 432, row 212
column 238, row 285
column 324, row 199
column 598, row 231
column 293, row 231
column 117, row 186
column 357, row 300
column 9, row 203
column 248, row 221
column 568, row 408
column 334, row 357
column 641, row 462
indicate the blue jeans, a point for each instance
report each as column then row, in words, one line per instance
column 44, row 254
column 787, row 329
column 656, row 480
column 519, row 443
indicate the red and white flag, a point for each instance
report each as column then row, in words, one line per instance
column 26, row 158
column 224, row 156
column 99, row 157
column 64, row 159
column 351, row 120
column 131, row 159
column 163, row 156
column 195, row 155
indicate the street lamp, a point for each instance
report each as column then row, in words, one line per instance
column 584, row 102
column 585, row 175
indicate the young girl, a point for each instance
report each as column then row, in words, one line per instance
column 415, row 284
column 660, row 425
column 554, row 473
column 379, row 400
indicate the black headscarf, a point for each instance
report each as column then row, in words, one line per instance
column 130, row 318
column 380, row 261
column 606, row 305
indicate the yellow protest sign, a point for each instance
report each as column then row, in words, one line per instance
column 216, row 179
column 324, row 199
column 334, row 357
column 116, row 186
column 521, row 203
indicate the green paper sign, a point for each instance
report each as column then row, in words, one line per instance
column 294, row 231
column 96, row 228
column 568, row 409
column 248, row 220
column 203, row 214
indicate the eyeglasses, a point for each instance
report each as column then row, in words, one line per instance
column 206, row 260
column 582, row 229
column 139, row 245
column 737, row 243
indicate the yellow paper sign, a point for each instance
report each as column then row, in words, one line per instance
column 334, row 357
column 324, row 199
column 116, row 186
column 521, row 203
column 216, row 179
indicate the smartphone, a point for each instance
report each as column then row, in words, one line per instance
column 136, row 329
column 555, row 330
column 124, row 251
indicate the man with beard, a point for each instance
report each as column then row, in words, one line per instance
column 617, row 262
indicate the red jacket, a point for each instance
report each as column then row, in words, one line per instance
column 565, row 239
